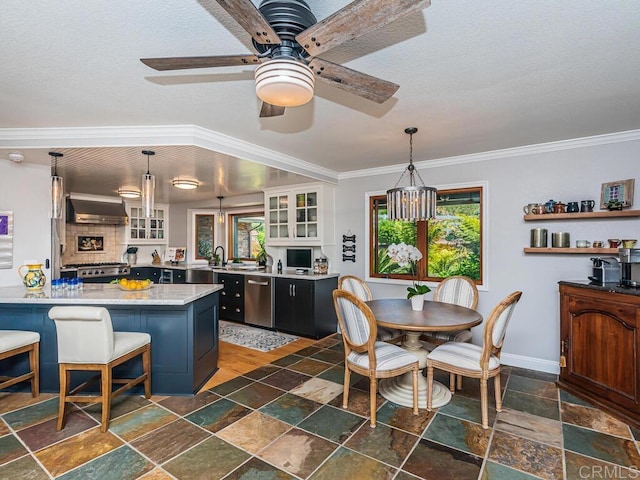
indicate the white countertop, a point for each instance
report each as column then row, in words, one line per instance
column 245, row 270
column 107, row 294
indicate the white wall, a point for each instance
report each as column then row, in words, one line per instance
column 24, row 189
column 566, row 175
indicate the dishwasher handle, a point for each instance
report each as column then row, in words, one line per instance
column 254, row 282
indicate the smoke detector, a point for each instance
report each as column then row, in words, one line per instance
column 16, row 157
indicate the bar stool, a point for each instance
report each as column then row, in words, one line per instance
column 15, row 342
column 87, row 342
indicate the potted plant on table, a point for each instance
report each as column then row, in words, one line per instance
column 408, row 255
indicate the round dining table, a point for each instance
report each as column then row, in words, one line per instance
column 435, row 316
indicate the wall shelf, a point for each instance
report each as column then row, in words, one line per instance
column 592, row 251
column 582, row 215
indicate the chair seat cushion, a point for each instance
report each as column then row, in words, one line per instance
column 462, row 355
column 451, row 336
column 10, row 339
column 125, row 342
column 388, row 357
column 386, row 334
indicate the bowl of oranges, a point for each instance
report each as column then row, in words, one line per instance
column 133, row 284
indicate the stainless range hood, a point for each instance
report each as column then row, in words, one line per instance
column 100, row 213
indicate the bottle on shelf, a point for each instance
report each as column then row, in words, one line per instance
column 279, row 266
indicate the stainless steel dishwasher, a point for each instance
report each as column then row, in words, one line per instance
column 258, row 301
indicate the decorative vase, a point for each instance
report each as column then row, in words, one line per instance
column 34, row 278
column 417, row 302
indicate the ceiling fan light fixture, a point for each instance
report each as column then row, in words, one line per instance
column 286, row 83
column 185, row 183
column 414, row 202
column 129, row 192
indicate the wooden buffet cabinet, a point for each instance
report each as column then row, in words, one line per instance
column 599, row 347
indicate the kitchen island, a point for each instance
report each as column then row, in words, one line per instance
column 181, row 319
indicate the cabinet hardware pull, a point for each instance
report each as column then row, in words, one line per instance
column 223, row 307
column 224, row 294
column 253, row 282
column 294, row 290
column 237, row 310
column 237, row 295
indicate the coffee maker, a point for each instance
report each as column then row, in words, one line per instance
column 629, row 267
column 605, row 270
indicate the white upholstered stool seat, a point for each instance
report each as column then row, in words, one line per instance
column 15, row 342
column 87, row 342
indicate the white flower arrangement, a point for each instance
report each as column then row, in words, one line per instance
column 405, row 255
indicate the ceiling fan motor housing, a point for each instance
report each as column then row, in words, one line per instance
column 287, row 18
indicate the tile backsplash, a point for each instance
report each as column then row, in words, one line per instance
column 111, row 235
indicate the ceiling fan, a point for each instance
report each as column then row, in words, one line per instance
column 288, row 39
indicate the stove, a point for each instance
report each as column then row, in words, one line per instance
column 104, row 271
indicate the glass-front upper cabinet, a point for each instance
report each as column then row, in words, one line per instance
column 277, row 216
column 147, row 230
column 300, row 215
column 306, row 215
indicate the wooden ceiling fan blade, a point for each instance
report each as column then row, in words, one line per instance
column 352, row 21
column 182, row 63
column 249, row 17
column 268, row 110
column 352, row 81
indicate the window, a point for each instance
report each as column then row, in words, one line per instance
column 451, row 244
column 246, row 235
column 204, row 236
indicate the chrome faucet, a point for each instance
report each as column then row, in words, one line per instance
column 215, row 252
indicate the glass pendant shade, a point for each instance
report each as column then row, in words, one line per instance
column 220, row 212
column 286, row 83
column 57, row 196
column 148, row 192
column 57, row 187
column 414, row 202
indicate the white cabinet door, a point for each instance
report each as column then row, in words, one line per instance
column 151, row 230
column 301, row 215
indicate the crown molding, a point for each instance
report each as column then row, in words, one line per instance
column 605, row 139
column 78, row 137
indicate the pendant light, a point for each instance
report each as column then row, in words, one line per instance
column 220, row 212
column 57, row 187
column 413, row 202
column 148, row 188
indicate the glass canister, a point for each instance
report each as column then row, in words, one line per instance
column 320, row 266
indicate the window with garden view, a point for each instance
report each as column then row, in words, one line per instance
column 247, row 235
column 450, row 245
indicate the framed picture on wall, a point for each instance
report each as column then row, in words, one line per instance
column 618, row 193
column 89, row 244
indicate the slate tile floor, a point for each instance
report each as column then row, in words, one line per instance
column 284, row 421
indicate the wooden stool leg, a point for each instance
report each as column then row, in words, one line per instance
column 64, row 389
column 34, row 365
column 105, row 387
column 146, row 366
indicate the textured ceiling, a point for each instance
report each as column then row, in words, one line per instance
column 474, row 76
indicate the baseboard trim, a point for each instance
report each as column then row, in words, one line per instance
column 530, row 363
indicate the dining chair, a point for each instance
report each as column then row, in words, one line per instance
column 16, row 342
column 87, row 342
column 367, row 356
column 458, row 290
column 469, row 360
column 360, row 289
